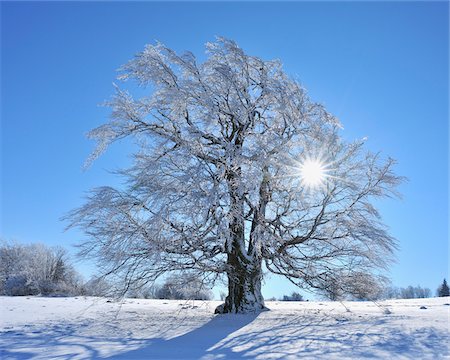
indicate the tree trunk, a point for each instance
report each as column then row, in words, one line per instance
column 244, row 267
column 244, row 287
column 244, row 270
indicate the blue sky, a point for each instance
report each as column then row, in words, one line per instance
column 382, row 68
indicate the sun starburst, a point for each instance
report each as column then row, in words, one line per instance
column 313, row 173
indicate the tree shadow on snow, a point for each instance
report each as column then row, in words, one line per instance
column 68, row 341
column 31, row 340
column 196, row 344
column 316, row 336
column 325, row 337
column 300, row 335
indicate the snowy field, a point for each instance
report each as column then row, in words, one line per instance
column 92, row 328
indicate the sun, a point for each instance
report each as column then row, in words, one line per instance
column 313, row 173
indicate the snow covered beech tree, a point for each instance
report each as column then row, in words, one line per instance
column 238, row 173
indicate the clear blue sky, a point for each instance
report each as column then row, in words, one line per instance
column 382, row 68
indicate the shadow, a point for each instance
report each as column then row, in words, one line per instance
column 69, row 340
column 303, row 336
column 301, row 333
column 196, row 344
column 30, row 341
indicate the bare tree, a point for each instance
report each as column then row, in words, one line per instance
column 236, row 168
column 36, row 269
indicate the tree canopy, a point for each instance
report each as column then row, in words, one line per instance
column 238, row 172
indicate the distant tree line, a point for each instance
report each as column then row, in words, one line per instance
column 380, row 292
column 410, row 292
column 295, row 296
column 37, row 270
column 174, row 287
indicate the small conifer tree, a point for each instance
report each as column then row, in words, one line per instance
column 443, row 290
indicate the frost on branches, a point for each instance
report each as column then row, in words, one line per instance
column 220, row 187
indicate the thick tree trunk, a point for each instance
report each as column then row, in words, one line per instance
column 244, row 288
column 244, row 270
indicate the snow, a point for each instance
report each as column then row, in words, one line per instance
column 93, row 328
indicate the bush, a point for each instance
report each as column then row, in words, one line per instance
column 353, row 286
column 293, row 297
column 96, row 286
column 18, row 285
column 183, row 288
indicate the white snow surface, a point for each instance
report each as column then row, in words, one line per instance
column 93, row 328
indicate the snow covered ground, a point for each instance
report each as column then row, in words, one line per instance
column 86, row 328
